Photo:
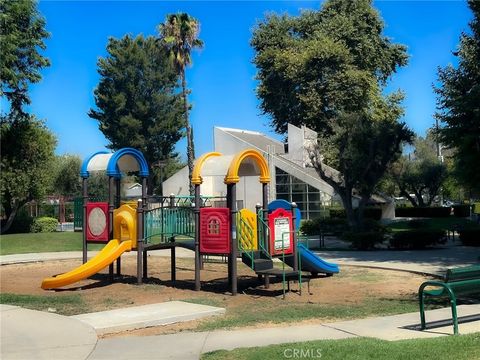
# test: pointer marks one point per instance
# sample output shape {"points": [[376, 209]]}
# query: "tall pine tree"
{"points": [[459, 104], [137, 102]]}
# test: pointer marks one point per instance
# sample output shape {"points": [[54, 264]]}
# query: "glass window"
{"points": [[314, 196], [299, 197], [299, 187], [314, 206], [283, 197], [302, 206]]}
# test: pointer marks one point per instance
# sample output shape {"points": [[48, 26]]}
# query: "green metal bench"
{"points": [[464, 280]]}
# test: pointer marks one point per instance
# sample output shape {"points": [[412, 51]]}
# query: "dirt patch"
{"points": [[352, 286]]}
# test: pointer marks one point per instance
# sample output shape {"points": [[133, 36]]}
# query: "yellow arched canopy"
{"points": [[196, 174], [232, 174]]}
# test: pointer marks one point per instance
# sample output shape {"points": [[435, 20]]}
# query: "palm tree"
{"points": [[179, 34]]}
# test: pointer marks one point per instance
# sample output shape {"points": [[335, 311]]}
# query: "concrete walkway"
{"points": [[28, 334], [428, 261], [140, 317]]}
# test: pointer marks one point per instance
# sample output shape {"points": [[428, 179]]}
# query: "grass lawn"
{"points": [[463, 347], [63, 304], [43, 242], [266, 311], [434, 224]]}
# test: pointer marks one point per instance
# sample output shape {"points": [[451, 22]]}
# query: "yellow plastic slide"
{"points": [[114, 249]]}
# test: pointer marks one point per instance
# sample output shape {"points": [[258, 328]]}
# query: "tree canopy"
{"points": [[22, 34], [66, 176], [458, 99], [420, 175], [27, 149], [27, 146], [327, 69], [137, 104]]}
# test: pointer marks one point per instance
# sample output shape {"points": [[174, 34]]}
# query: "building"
{"points": [[293, 179]]}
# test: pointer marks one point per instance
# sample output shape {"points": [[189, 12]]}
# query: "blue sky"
{"points": [[222, 77]]}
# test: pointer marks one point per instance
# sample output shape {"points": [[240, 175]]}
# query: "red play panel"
{"points": [[97, 221], [215, 230], [281, 224]]}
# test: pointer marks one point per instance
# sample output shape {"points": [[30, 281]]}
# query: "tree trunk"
{"points": [[190, 146], [360, 212], [10, 217], [346, 196]]}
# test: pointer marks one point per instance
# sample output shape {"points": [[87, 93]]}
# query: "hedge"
{"points": [[365, 240], [428, 212], [470, 237], [44, 225], [417, 239], [329, 225], [368, 213]]}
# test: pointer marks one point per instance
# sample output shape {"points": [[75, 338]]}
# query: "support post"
{"points": [[139, 242], [117, 205], [265, 214], [111, 206], [145, 266], [260, 239], [198, 256], [84, 221], [229, 265], [173, 265], [294, 237], [144, 207], [234, 245]]}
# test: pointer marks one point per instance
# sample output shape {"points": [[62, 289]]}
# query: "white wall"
{"points": [[177, 184]]}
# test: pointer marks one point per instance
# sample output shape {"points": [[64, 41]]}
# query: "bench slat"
{"points": [[463, 273]]}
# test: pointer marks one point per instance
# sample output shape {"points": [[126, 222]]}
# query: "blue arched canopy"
{"points": [[123, 160]]}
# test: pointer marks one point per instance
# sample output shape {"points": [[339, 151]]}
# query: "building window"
{"points": [[292, 189]]}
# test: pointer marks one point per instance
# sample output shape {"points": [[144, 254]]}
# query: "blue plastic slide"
{"points": [[313, 263]]}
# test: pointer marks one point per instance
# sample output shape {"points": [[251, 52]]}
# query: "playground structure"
{"points": [[152, 223]]}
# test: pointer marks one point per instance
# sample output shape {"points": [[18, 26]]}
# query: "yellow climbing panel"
{"points": [[248, 237]]}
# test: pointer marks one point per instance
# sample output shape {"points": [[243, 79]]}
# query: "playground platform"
{"points": [[28, 334]]}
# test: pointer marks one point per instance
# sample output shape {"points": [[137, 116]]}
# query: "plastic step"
{"points": [[262, 264]]}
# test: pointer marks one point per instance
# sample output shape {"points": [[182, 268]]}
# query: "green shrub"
{"points": [[364, 240], [427, 212], [417, 224], [461, 210], [417, 239], [329, 225], [476, 208], [470, 236], [44, 225], [338, 214], [21, 223], [368, 213]]}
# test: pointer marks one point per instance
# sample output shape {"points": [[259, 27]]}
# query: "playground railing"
{"points": [[165, 223], [263, 233], [283, 263]]}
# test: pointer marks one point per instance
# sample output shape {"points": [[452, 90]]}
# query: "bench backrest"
{"points": [[463, 273]]}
